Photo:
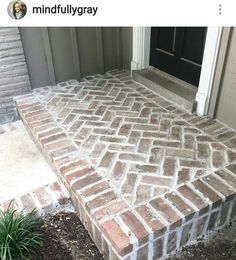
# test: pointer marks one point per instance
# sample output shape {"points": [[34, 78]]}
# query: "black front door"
{"points": [[178, 51]]}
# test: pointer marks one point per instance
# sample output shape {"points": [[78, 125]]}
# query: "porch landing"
{"points": [[145, 177]]}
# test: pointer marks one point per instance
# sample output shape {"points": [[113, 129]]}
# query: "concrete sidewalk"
{"points": [[23, 170]]}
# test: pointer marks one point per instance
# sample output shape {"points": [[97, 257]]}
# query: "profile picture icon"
{"points": [[17, 9]]}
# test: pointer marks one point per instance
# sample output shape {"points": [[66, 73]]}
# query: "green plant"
{"points": [[19, 234]]}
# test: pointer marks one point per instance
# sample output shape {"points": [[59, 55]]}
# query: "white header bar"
{"points": [[123, 13]]}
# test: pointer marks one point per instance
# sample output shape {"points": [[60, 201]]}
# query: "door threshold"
{"points": [[179, 92]]}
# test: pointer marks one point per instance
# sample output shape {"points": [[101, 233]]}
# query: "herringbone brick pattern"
{"points": [[137, 140], [145, 176]]}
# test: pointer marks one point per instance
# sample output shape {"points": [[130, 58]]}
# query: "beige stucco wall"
{"points": [[226, 102]]}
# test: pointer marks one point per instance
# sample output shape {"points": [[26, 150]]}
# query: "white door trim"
{"points": [[208, 69], [141, 52], [141, 48]]}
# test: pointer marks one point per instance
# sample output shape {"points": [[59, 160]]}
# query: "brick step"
{"points": [[121, 229]]}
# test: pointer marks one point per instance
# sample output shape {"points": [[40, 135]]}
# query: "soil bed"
{"points": [[66, 239], [219, 245]]}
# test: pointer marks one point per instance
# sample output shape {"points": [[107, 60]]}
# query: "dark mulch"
{"points": [[66, 239], [212, 251], [219, 245]]}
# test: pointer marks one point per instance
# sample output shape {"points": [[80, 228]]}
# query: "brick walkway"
{"points": [[145, 174]]}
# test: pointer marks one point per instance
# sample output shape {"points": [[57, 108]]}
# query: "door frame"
{"points": [[141, 53]]}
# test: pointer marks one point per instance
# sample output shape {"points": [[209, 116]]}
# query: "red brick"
{"points": [[192, 163], [183, 175], [101, 200], [98, 149], [41, 123], [124, 130], [39, 118], [156, 180], [62, 151], [167, 212], [89, 142], [105, 248], [207, 192], [136, 106], [136, 120], [76, 125], [171, 243], [82, 111], [231, 180], [135, 226], [167, 143], [110, 139], [232, 168], [52, 138], [69, 119], [113, 208], [175, 133], [169, 167], [218, 159], [107, 116], [107, 159], [204, 138], [117, 237], [129, 183], [155, 135], [156, 155], [189, 194], [71, 177], [224, 213], [203, 150], [98, 237], [146, 168], [142, 253], [44, 199], [116, 122], [219, 186], [198, 230], [104, 131], [121, 147], [145, 112], [164, 125], [185, 235], [231, 156], [212, 221], [145, 127], [57, 145], [83, 133], [35, 113], [158, 248], [57, 190], [178, 203], [82, 183], [189, 141], [143, 193], [134, 137], [179, 153], [152, 221], [72, 166], [118, 170], [95, 189], [144, 145], [131, 157]]}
